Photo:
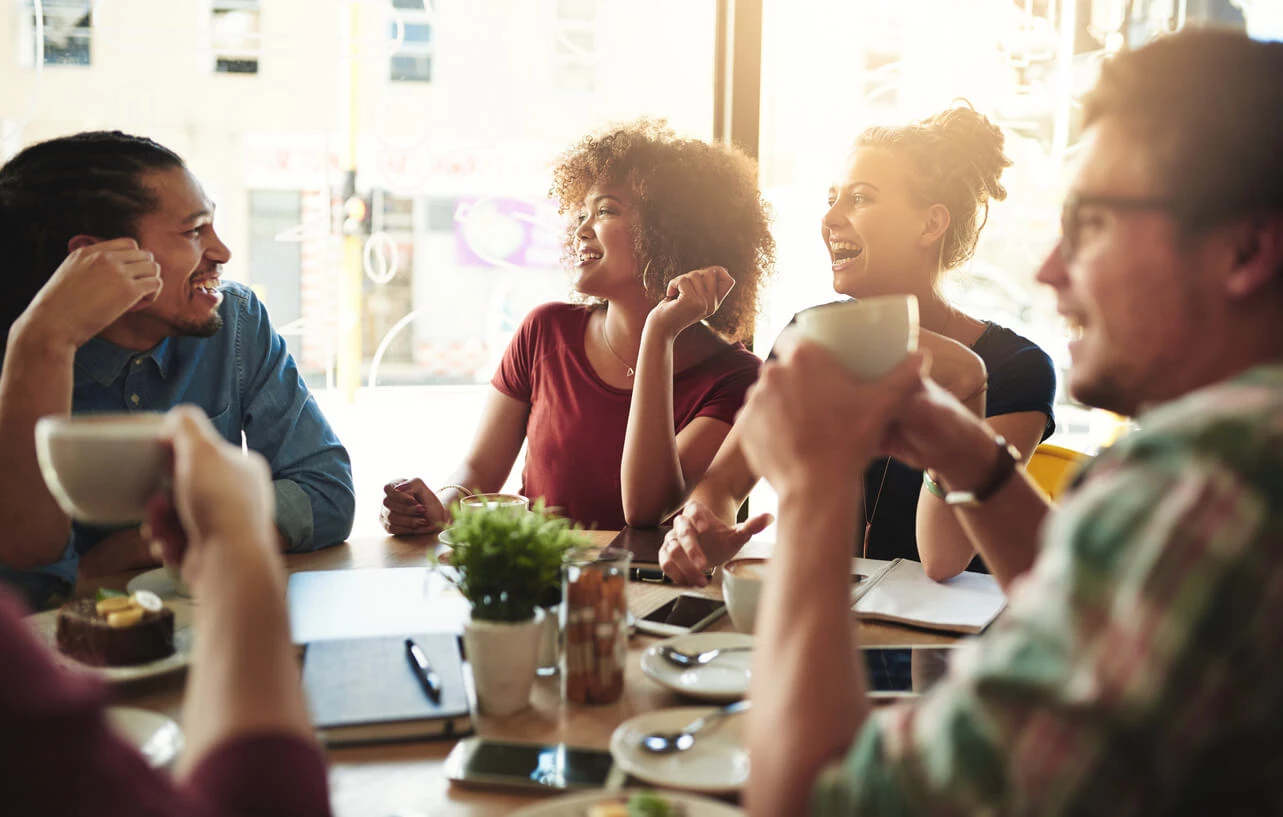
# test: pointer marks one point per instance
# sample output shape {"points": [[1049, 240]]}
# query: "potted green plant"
{"points": [[506, 562]]}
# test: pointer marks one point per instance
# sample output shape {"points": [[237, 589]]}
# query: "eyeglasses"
{"points": [[1071, 214]]}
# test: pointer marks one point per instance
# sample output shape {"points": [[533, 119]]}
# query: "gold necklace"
{"points": [[606, 339]]}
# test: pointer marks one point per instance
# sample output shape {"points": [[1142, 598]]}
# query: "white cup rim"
{"points": [[98, 426]]}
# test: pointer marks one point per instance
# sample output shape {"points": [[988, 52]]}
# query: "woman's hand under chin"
{"points": [[690, 299]]}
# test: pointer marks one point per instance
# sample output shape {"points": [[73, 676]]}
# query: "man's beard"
{"points": [[1105, 393], [200, 329]]}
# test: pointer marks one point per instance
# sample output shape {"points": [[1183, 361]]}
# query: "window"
{"points": [[67, 29], [411, 30], [575, 46], [463, 239], [235, 36]]}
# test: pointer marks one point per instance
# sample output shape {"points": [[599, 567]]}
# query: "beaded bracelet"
{"points": [[459, 488], [933, 487]]}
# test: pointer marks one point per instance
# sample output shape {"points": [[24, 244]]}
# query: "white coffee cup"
{"points": [[870, 336], [742, 591], [493, 501], [103, 468]]}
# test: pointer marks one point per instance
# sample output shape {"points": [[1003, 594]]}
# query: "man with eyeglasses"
{"points": [[1138, 667]]}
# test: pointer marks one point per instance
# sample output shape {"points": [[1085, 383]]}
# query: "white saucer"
{"points": [[716, 764], [576, 805], [722, 680], [157, 737], [443, 537], [46, 626], [159, 582]]}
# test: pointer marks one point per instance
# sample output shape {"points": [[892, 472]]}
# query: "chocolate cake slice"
{"points": [[120, 634]]}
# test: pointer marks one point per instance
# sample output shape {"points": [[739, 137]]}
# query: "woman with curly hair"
{"points": [[908, 207], [624, 400]]}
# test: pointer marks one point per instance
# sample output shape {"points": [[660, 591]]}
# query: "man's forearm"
{"points": [[315, 513], [36, 381], [123, 550], [807, 688]]}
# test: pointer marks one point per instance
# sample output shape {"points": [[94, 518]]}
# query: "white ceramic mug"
{"points": [[742, 591], [103, 468], [495, 501], [870, 336]]}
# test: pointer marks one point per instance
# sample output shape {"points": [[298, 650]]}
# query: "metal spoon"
{"points": [[696, 659], [665, 742]]}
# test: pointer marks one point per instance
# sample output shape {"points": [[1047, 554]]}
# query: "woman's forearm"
{"points": [[244, 677], [727, 482], [1004, 528], [651, 477]]}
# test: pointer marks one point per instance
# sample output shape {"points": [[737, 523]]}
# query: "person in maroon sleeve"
{"points": [[250, 748], [624, 400]]}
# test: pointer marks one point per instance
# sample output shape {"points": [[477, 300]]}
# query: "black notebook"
{"points": [[363, 690]]}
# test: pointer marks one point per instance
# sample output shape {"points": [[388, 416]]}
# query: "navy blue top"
{"points": [[1021, 378]]}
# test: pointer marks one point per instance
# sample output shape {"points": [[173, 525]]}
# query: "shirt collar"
{"points": [[104, 361]]}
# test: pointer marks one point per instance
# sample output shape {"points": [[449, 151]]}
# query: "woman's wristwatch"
{"points": [[1008, 459]]}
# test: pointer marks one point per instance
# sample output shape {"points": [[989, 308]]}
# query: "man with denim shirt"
{"points": [[1137, 668], [138, 323]]}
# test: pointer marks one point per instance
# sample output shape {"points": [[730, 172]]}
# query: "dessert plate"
{"points": [[160, 582], [46, 625], [156, 736]]}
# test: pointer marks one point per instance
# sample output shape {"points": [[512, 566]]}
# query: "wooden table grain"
{"points": [[408, 779]]}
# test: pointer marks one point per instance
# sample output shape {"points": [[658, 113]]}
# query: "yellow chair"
{"points": [[1052, 466]]}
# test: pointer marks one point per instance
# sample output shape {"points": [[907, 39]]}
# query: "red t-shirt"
{"points": [[57, 756], [575, 435]]}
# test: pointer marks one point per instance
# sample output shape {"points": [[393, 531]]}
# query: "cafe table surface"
{"points": [[408, 779]]}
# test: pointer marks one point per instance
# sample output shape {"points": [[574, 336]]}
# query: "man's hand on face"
{"points": [[95, 285], [809, 423]]}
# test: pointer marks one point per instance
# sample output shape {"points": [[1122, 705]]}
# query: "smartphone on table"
{"points": [[487, 763], [644, 544], [682, 614], [904, 672]]}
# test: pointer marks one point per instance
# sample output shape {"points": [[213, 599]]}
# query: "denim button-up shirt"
{"points": [[245, 379]]}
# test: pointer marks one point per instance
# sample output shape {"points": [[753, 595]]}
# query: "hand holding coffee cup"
{"points": [[869, 336], [103, 468]]}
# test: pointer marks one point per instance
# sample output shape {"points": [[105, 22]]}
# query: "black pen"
{"points": [[428, 679], [650, 574]]}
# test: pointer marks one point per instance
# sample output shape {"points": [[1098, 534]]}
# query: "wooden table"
{"points": [[408, 779]]}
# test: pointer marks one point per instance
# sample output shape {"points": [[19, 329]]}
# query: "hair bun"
{"points": [[973, 137]]}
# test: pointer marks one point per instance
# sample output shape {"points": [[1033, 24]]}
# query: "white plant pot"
{"points": [[502, 655]]}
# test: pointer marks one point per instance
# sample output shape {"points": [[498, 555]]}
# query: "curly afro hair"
{"points": [[697, 205]]}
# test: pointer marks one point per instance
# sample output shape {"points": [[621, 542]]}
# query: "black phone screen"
{"points": [[643, 543], [905, 670], [554, 766], [684, 611]]}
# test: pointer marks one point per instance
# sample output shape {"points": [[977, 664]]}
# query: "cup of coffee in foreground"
{"points": [[103, 468], [870, 336], [493, 501], [742, 589]]}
